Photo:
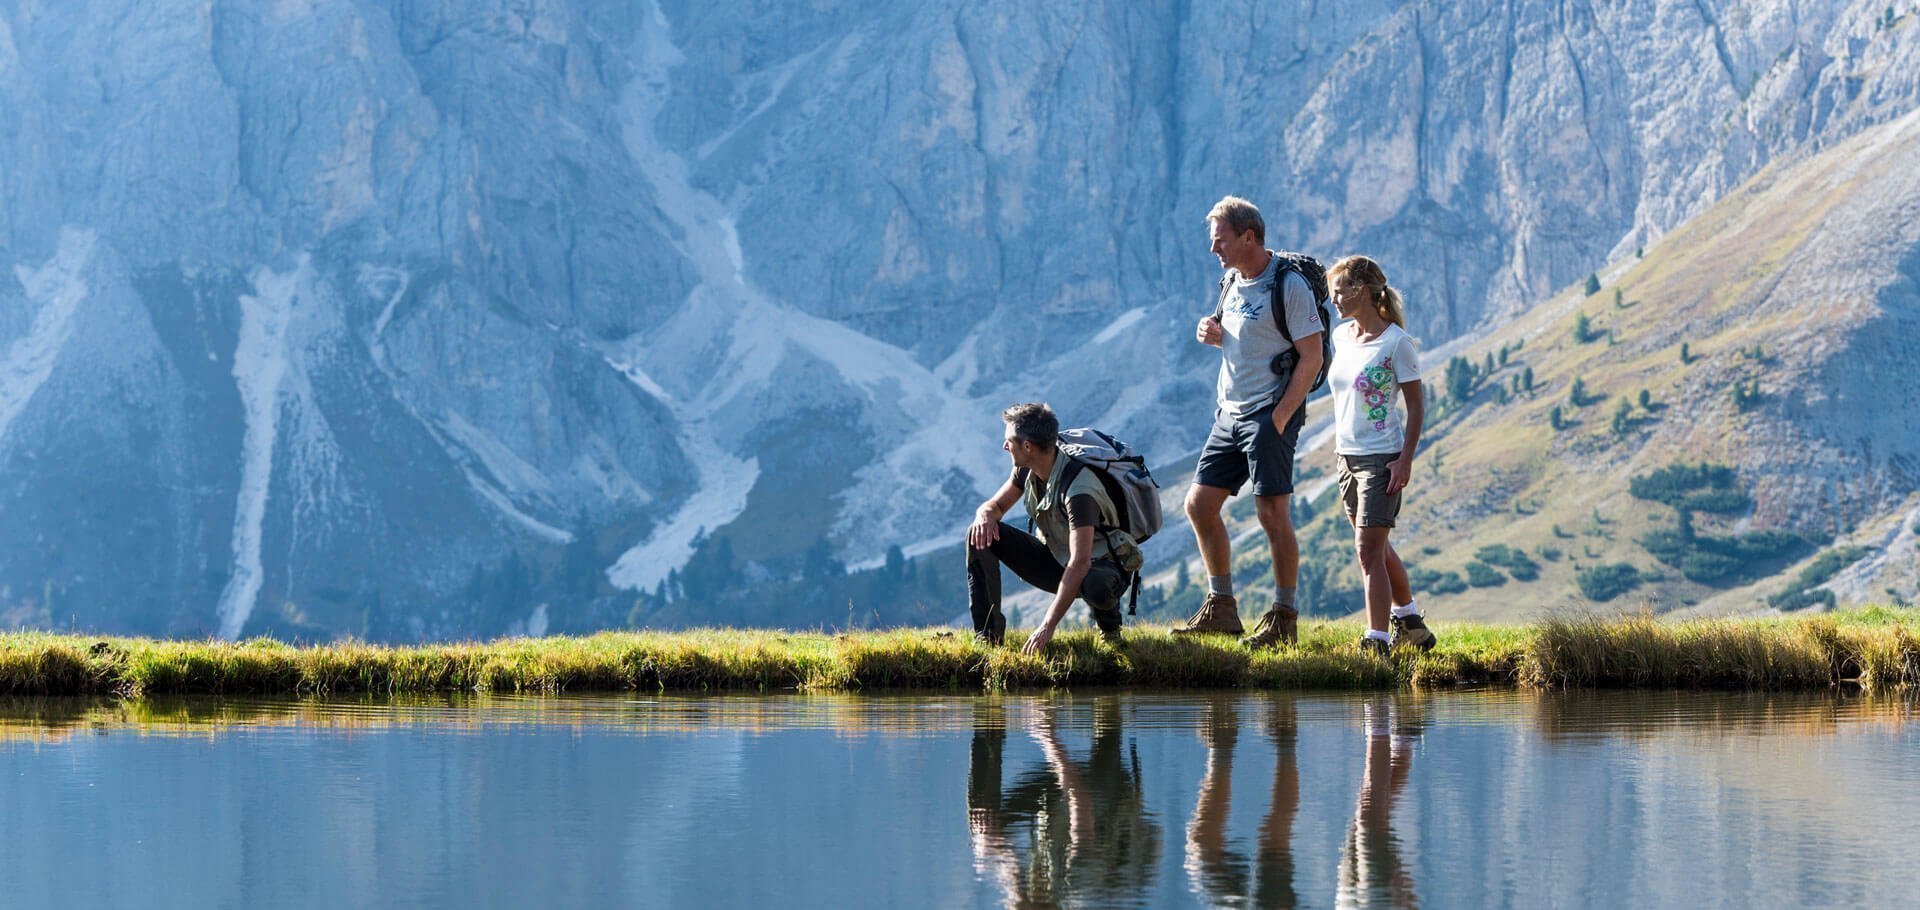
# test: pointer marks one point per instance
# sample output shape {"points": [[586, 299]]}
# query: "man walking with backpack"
{"points": [[1082, 550], [1270, 328]]}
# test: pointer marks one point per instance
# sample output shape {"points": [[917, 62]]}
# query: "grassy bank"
{"points": [[1874, 649]]}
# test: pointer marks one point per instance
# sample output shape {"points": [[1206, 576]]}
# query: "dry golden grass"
{"points": [[1874, 649]]}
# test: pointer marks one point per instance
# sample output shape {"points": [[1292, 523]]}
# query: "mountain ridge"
{"points": [[404, 322]]}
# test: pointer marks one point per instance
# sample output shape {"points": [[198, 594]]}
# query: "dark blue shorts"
{"points": [[1250, 446]]}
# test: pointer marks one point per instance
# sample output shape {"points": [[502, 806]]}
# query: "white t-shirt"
{"points": [[1364, 377]]}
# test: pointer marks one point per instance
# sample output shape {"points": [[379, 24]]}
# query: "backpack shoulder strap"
{"points": [[1220, 299], [1068, 474], [1279, 306]]}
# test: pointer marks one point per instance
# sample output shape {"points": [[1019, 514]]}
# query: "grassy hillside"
{"points": [[1768, 336], [1770, 293]]}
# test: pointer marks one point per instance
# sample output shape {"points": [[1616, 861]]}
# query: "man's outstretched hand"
{"points": [[1037, 642]]}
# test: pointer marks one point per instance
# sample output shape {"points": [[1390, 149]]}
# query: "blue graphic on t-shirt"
{"points": [[1246, 308]]}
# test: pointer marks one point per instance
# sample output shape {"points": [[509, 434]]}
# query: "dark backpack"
{"points": [[1316, 277]]}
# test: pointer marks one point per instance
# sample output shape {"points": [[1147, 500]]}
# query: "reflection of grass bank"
{"points": [[1876, 649]]}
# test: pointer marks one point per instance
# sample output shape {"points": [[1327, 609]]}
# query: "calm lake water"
{"points": [[1452, 800]]}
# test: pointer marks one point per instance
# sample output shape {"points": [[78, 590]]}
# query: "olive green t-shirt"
{"points": [[1087, 507]]}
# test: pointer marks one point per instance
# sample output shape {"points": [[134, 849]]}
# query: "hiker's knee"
{"points": [[1104, 587], [1204, 502], [1371, 550], [1274, 513]]}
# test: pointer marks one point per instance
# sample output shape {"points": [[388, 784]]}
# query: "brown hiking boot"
{"points": [[1412, 632], [1218, 614], [1278, 626]]}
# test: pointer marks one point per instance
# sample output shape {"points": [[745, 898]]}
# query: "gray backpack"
{"points": [[1123, 473]]}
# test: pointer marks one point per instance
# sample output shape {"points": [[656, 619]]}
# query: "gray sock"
{"points": [[1283, 595], [1220, 584]]}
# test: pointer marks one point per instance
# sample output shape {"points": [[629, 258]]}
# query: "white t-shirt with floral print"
{"points": [[1364, 378]]}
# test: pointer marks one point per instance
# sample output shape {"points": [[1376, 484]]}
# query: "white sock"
{"points": [[1410, 608], [1379, 634]]}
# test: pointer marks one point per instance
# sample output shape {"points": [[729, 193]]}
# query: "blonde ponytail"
{"points": [[1390, 308]]}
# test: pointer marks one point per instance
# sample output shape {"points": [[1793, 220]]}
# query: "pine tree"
{"points": [[1593, 284], [1459, 380]]}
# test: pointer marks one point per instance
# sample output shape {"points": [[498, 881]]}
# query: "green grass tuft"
{"points": [[1873, 648]]}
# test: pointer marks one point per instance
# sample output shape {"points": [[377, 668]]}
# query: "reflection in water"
{"points": [[1372, 870], [1161, 800], [1580, 716], [1219, 873], [1082, 824]]}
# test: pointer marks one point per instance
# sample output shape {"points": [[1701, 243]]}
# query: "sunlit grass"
{"points": [[1875, 648]]}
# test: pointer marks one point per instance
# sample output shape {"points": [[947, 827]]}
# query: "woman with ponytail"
{"points": [[1374, 359]]}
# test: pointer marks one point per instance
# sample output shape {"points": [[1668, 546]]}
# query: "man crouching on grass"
{"points": [[1080, 551]]}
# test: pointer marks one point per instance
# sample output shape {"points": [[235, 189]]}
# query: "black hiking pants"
{"points": [[1034, 563]]}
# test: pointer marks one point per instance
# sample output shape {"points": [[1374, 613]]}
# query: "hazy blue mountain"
{"points": [[453, 319]]}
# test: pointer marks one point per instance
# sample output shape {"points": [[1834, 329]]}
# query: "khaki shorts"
{"points": [[1363, 490]]}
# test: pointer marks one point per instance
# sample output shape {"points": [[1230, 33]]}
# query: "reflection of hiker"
{"points": [[1080, 551], [1374, 360], [1219, 874], [1082, 825], [1269, 329], [1372, 872]]}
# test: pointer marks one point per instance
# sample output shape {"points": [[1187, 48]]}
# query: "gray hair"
{"points": [[1240, 215]]}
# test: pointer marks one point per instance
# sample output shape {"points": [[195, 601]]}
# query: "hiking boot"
{"points": [[1218, 614], [1278, 626], [1374, 647], [1412, 632], [995, 633]]}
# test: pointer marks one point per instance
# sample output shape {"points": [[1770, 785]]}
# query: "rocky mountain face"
{"points": [[407, 320]]}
